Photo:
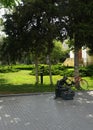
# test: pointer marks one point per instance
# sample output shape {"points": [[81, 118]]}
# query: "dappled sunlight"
{"points": [[17, 120], [0, 118], [27, 123], [89, 101], [80, 93], [90, 116], [1, 101], [1, 107], [84, 100], [6, 115], [9, 116], [81, 100], [85, 97], [34, 112], [90, 93], [10, 119]]}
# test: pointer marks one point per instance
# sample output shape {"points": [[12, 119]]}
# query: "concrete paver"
{"points": [[42, 112]]}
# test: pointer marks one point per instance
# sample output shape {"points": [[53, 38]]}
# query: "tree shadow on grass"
{"points": [[25, 88], [3, 81]]}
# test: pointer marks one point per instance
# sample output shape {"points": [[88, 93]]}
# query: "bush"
{"points": [[42, 68], [7, 69], [15, 68], [58, 69], [67, 72], [86, 71], [24, 67], [83, 71]]}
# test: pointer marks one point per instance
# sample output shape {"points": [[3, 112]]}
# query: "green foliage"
{"points": [[41, 69], [31, 28], [7, 69], [57, 69], [59, 54], [86, 71], [67, 72], [79, 25], [80, 21], [24, 67], [70, 43], [8, 3], [15, 68]]}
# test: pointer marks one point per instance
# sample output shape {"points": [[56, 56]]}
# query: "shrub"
{"points": [[24, 67], [15, 68], [58, 69], [67, 72], [7, 69]]}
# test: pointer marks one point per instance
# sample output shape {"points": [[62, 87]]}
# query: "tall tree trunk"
{"points": [[76, 64], [36, 69], [50, 73]]}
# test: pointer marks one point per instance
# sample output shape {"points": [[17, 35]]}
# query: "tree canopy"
{"points": [[71, 17], [35, 23], [79, 27], [8, 3], [33, 26]]}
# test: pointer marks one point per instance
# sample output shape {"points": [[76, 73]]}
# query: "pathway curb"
{"points": [[25, 94]]}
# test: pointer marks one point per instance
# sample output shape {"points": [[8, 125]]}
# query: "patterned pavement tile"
{"points": [[42, 112]]}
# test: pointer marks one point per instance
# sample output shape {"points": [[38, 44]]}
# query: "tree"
{"points": [[79, 25], [32, 28]]}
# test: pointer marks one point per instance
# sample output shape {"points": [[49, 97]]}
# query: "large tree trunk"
{"points": [[36, 69], [76, 64], [50, 73]]}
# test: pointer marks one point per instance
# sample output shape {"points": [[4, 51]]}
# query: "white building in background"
{"points": [[2, 12], [71, 54], [87, 59], [69, 61], [84, 57]]}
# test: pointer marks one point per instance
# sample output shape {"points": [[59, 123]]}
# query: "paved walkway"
{"points": [[42, 112]]}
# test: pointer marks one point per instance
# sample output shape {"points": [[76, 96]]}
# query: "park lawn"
{"points": [[23, 82], [90, 82]]}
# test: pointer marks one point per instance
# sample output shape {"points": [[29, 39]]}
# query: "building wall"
{"points": [[84, 57], [87, 59]]}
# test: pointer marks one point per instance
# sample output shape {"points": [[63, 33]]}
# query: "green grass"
{"points": [[23, 82]]}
